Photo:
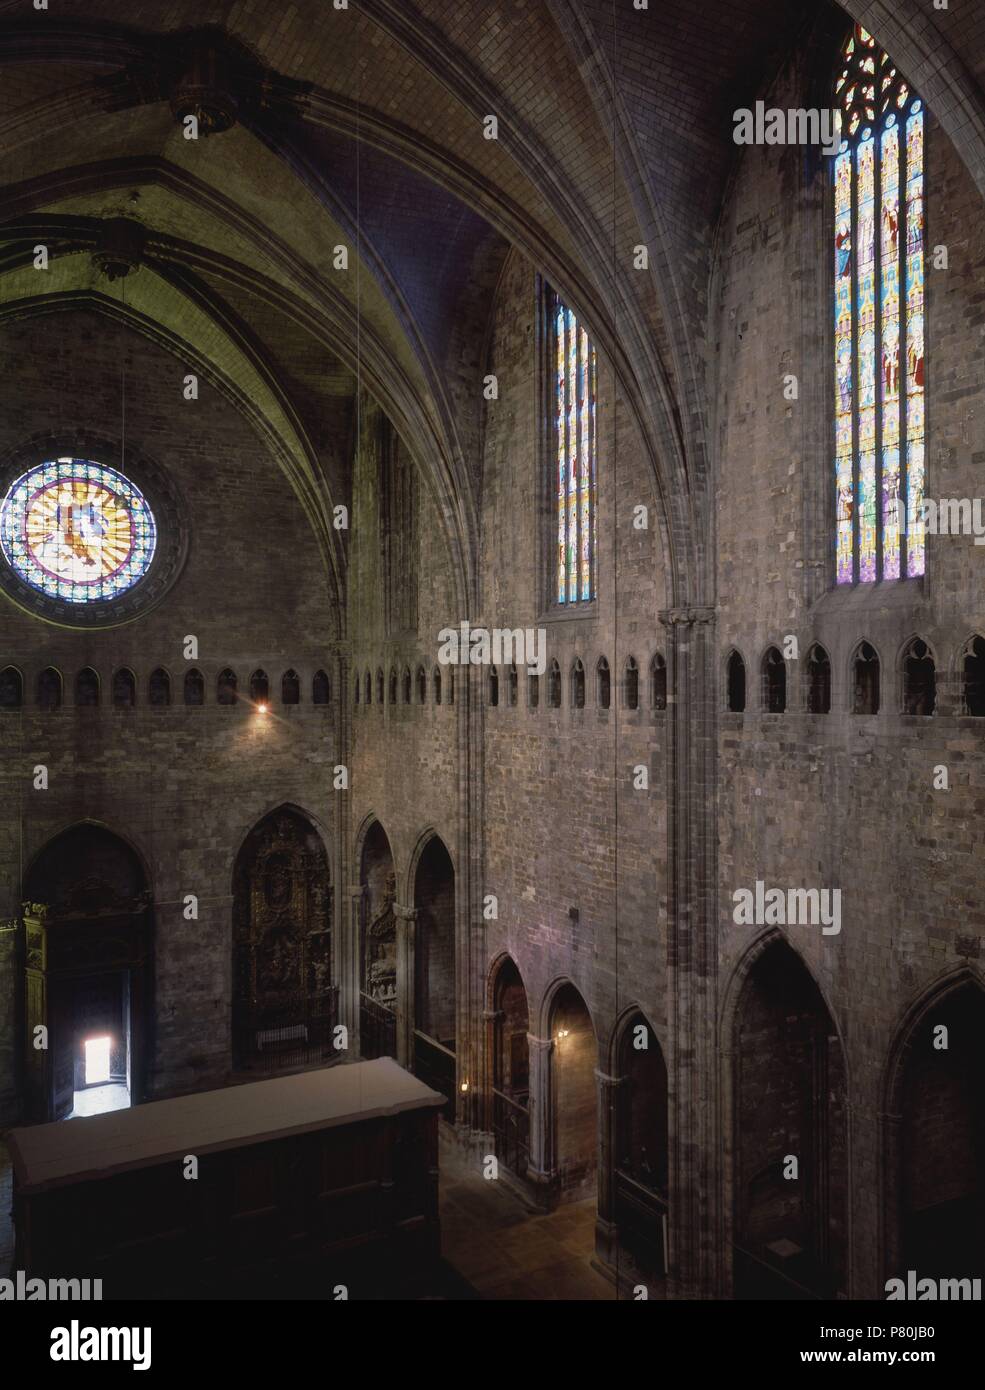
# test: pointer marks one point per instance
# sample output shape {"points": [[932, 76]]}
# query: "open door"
{"points": [[88, 925], [62, 1046], [49, 1044]]}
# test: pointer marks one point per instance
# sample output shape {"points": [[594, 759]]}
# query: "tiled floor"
{"points": [[506, 1252]]}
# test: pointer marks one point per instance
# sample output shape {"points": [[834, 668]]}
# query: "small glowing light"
{"points": [[464, 1086], [562, 1033], [261, 708]]}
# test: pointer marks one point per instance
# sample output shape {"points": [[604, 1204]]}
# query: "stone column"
{"points": [[695, 1254], [406, 920], [540, 1169], [349, 969], [606, 1230], [490, 1018]]}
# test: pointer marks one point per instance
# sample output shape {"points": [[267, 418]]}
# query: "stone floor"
{"points": [[503, 1250], [99, 1100]]}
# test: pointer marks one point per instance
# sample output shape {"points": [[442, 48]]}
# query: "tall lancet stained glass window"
{"points": [[879, 319], [573, 455]]}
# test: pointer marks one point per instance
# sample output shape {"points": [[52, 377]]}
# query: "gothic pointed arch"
{"points": [[284, 999]]}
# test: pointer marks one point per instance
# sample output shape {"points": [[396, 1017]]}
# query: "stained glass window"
{"points": [[879, 319], [77, 530], [574, 374]]}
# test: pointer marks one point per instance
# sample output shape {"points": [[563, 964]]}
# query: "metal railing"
{"points": [[295, 1032], [511, 1130], [434, 1064]]}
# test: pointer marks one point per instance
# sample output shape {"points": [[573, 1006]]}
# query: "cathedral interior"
{"points": [[492, 647]]}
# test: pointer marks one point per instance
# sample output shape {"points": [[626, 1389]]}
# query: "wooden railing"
{"points": [[377, 1029], [640, 1213], [434, 1064]]}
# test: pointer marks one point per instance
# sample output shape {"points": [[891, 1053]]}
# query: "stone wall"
{"points": [[183, 785]]}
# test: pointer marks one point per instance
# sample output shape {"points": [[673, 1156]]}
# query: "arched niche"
{"points": [[434, 970], [88, 957], [284, 999], [378, 968], [790, 1182]]}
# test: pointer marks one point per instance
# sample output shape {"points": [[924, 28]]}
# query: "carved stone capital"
{"points": [[687, 617]]}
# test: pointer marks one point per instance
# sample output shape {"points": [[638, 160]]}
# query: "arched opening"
{"points": [[422, 686], [393, 685], [513, 686], [940, 1100], [658, 683], [86, 688], [736, 683], [124, 689], [790, 1136], [378, 992], [284, 1002], [11, 688], [554, 685], [87, 963], [49, 689], [574, 1058], [818, 681], [774, 672], [434, 971], [194, 688], [533, 691], [321, 690], [290, 688], [225, 691], [511, 1070], [603, 684], [974, 678], [367, 688], [406, 685], [865, 680], [577, 684], [380, 686], [259, 686], [493, 687], [436, 684], [632, 683], [641, 1153], [159, 688], [356, 689], [919, 679]]}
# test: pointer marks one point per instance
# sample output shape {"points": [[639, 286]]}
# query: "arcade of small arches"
{"points": [[919, 685], [161, 689], [407, 689]]}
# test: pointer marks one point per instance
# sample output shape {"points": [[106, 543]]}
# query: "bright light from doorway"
{"points": [[97, 1060]]}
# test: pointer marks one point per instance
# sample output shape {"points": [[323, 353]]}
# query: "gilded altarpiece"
{"points": [[283, 997]]}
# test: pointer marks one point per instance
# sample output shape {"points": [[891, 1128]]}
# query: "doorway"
{"points": [[88, 934], [100, 1011]]}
